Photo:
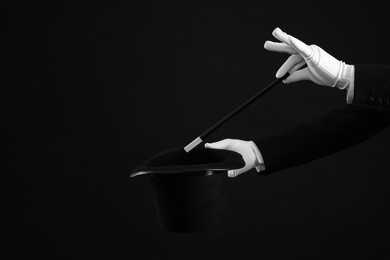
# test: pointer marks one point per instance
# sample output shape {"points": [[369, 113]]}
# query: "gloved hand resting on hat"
{"points": [[322, 68], [248, 150]]}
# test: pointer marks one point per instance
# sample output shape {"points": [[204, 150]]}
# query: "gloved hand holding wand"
{"points": [[322, 68]]}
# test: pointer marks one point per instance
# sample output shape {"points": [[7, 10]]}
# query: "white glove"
{"points": [[322, 68], [248, 150]]}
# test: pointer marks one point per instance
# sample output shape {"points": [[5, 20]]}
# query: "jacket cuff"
{"points": [[351, 86], [371, 87]]}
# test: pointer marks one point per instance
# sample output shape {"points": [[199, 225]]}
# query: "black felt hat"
{"points": [[189, 189]]}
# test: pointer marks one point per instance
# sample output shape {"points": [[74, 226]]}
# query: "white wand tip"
{"points": [[193, 144]]}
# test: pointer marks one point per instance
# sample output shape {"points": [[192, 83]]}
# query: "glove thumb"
{"points": [[223, 144], [298, 75]]}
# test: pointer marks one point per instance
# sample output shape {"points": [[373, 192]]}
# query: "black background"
{"points": [[91, 90]]}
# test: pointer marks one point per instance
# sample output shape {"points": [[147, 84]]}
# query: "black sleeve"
{"points": [[335, 131]]}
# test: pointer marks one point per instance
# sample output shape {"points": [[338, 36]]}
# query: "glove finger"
{"points": [[304, 49], [249, 159], [298, 75], [298, 45], [223, 144], [231, 173], [288, 65], [281, 36], [236, 172], [279, 47]]}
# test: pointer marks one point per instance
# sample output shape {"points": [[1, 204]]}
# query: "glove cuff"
{"points": [[345, 76], [259, 164]]}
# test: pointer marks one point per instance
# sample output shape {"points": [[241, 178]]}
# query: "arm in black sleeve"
{"points": [[329, 134]]}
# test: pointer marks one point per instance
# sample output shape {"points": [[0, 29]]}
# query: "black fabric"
{"points": [[190, 203], [372, 86], [334, 132], [198, 160]]}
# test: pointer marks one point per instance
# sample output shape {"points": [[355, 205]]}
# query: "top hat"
{"points": [[189, 189]]}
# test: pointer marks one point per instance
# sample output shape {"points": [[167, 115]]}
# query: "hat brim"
{"points": [[200, 160]]}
